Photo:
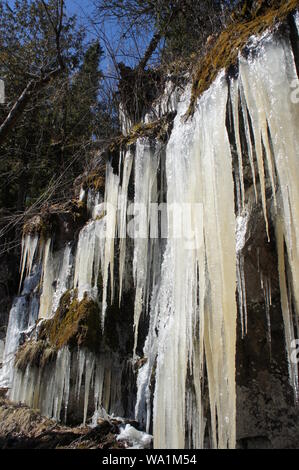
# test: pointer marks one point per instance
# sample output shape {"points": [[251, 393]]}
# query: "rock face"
{"points": [[9, 271], [267, 416]]}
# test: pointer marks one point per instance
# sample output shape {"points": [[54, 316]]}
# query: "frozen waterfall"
{"points": [[182, 262]]}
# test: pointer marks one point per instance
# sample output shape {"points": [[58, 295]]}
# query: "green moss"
{"points": [[74, 324], [233, 39], [159, 129]]}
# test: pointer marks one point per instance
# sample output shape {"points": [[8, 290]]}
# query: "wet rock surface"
{"points": [[9, 270], [267, 416]]}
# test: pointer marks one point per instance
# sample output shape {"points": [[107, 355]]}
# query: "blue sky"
{"points": [[84, 9], [78, 5], [126, 51]]}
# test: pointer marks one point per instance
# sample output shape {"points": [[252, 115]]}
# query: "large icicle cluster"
{"points": [[264, 87], [56, 278], [146, 166], [50, 391], [193, 311], [22, 318], [262, 93], [57, 271]]}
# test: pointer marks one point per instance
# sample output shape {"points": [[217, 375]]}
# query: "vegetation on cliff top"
{"points": [[244, 24], [159, 129]]}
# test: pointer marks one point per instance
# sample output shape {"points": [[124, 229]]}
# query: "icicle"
{"points": [[15, 326], [195, 308], [2, 346], [111, 200], [190, 292], [234, 95], [260, 125], [270, 74], [89, 369], [123, 200], [81, 364], [107, 388], [242, 294], [47, 395], [286, 308], [89, 258], [248, 138], [47, 280], [220, 254], [82, 195], [254, 113], [67, 376], [143, 406], [63, 277], [98, 388], [29, 246], [22, 317], [266, 287], [62, 376], [146, 165], [55, 279], [241, 230]]}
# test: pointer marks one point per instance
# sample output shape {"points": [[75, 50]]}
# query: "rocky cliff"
{"points": [[166, 291]]}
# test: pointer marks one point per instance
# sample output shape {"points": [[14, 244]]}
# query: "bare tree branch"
{"points": [[19, 106]]}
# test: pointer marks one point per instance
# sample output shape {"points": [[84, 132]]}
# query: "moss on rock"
{"points": [[233, 39], [159, 129], [75, 323], [34, 353], [52, 218], [95, 180]]}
